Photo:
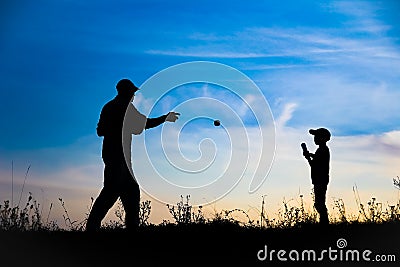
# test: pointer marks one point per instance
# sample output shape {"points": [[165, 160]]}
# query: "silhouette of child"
{"points": [[319, 163]]}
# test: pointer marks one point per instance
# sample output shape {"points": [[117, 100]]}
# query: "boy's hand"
{"points": [[305, 150], [309, 155], [172, 116]]}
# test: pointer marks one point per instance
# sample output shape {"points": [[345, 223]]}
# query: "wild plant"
{"points": [[144, 215], [232, 217], [28, 218], [72, 225], [144, 212], [396, 182], [291, 216], [182, 212], [340, 207]]}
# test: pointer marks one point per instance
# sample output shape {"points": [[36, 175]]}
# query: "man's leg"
{"points": [[106, 199], [320, 206], [101, 206], [130, 197], [131, 202]]}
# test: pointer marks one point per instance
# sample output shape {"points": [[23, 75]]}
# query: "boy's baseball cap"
{"points": [[323, 132]]}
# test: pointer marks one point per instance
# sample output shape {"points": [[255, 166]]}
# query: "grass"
{"points": [[30, 217], [192, 237]]}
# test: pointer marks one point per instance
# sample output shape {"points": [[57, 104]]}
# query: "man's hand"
{"points": [[172, 116]]}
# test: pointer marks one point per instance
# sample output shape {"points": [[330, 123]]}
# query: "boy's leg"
{"points": [[320, 206]]}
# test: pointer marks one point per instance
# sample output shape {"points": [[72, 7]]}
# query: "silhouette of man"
{"points": [[319, 163], [119, 119]]}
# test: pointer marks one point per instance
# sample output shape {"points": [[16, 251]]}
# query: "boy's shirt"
{"points": [[320, 166]]}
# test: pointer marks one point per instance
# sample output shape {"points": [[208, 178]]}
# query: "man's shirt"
{"points": [[119, 119]]}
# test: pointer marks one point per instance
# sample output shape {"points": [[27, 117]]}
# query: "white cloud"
{"points": [[336, 100], [362, 15], [142, 103], [360, 40], [286, 115], [205, 52]]}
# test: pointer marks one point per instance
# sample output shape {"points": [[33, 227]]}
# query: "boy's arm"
{"points": [[306, 153], [308, 156]]}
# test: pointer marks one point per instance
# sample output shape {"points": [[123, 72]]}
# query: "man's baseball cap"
{"points": [[323, 132], [126, 85]]}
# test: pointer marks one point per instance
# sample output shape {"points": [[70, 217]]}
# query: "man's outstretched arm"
{"points": [[154, 122]]}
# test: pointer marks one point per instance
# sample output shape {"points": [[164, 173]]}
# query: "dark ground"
{"points": [[197, 245]]}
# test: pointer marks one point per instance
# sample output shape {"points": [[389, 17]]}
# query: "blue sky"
{"points": [[318, 63]]}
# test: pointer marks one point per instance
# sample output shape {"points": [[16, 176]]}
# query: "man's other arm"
{"points": [[101, 127]]}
